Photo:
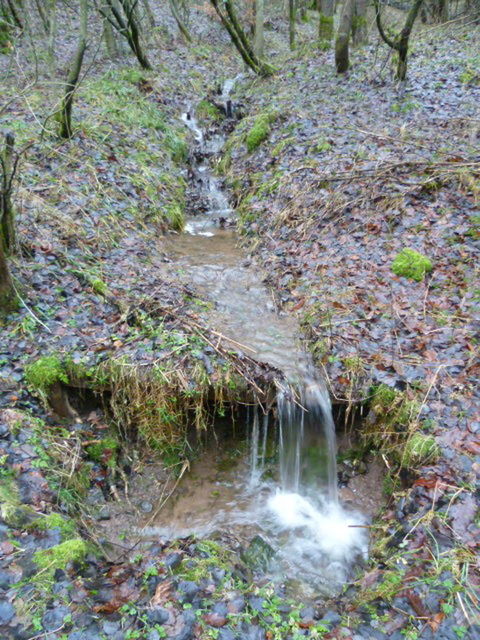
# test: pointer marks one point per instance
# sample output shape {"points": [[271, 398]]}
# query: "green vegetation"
{"points": [[419, 449], [208, 112], [45, 372], [104, 451], [260, 130], [61, 555], [66, 526], [411, 264]]}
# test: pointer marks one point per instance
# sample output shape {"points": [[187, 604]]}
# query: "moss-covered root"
{"points": [[411, 264]]}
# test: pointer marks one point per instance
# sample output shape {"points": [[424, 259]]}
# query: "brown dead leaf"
{"points": [[162, 594], [436, 620]]}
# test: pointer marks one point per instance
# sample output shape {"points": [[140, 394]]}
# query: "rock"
{"points": [[173, 560], [4, 430], [153, 635], [256, 603], [158, 615], [6, 612], [258, 554], [331, 617], [226, 634], [187, 633], [146, 507], [110, 627], [237, 605], [187, 591], [53, 619], [215, 619], [218, 575], [103, 514]]}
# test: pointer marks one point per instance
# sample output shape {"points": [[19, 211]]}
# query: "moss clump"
{"points": [[45, 372], [56, 521], [260, 131], [104, 451], [12, 511], [411, 264], [175, 217], [207, 111], [61, 555], [99, 286], [419, 449]]}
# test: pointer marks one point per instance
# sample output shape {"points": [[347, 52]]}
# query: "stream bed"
{"points": [[264, 481]]}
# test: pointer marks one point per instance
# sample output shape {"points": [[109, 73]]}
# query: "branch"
{"points": [[391, 43]]}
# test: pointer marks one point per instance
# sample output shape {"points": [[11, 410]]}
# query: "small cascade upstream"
{"points": [[283, 487]]}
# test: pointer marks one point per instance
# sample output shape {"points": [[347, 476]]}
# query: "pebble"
{"points": [[109, 627], [146, 507], [53, 619], [158, 615], [187, 591], [6, 612]]}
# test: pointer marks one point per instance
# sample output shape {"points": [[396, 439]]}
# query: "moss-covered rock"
{"points": [[56, 521], [44, 373], [61, 555], [411, 264], [12, 511], [104, 451], [208, 112], [260, 130], [419, 449]]}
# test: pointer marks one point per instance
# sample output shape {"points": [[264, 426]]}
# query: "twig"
{"points": [[37, 319]]}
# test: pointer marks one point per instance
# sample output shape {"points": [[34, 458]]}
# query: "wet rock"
{"points": [[78, 635], [258, 554], [153, 635], [173, 560], [187, 591], [256, 603], [53, 619], [4, 430], [252, 632], [237, 605], [146, 507], [110, 627], [307, 613], [103, 514], [6, 612], [218, 575], [158, 615], [187, 633], [226, 634], [331, 617]]}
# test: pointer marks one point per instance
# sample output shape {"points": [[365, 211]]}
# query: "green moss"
{"points": [[104, 451], [419, 449], [44, 372], [57, 521], [260, 130], [207, 111], [99, 286], [12, 511], [60, 556], [411, 264]]}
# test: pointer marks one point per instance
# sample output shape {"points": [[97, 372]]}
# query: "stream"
{"points": [[268, 481], [280, 487]]}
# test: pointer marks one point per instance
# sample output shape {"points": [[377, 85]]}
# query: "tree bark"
{"points": [[259, 42], [180, 24], [52, 30], [74, 74], [292, 11], [342, 61], [400, 43], [7, 211], [109, 37], [7, 293], [148, 12], [14, 13], [360, 34], [123, 19], [43, 16], [325, 23]]}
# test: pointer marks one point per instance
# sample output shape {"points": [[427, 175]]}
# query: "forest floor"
{"points": [[347, 174]]}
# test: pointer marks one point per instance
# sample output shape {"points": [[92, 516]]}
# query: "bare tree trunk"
{"points": [[292, 13], [43, 16], [360, 34], [229, 20], [7, 211], [342, 61], [180, 24], [74, 74], [325, 24], [259, 42], [400, 43], [148, 12], [109, 37], [7, 293], [52, 31], [122, 17]]}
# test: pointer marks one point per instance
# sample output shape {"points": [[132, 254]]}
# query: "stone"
{"points": [[332, 617], [153, 635], [187, 591], [258, 554], [218, 575], [158, 615], [146, 507], [110, 627], [237, 605], [173, 560], [6, 612], [53, 619], [226, 634]]}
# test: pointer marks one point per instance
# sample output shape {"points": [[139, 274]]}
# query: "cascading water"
{"points": [[285, 488]]}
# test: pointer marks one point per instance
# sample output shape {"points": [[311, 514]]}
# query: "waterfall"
{"points": [[306, 441]]}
